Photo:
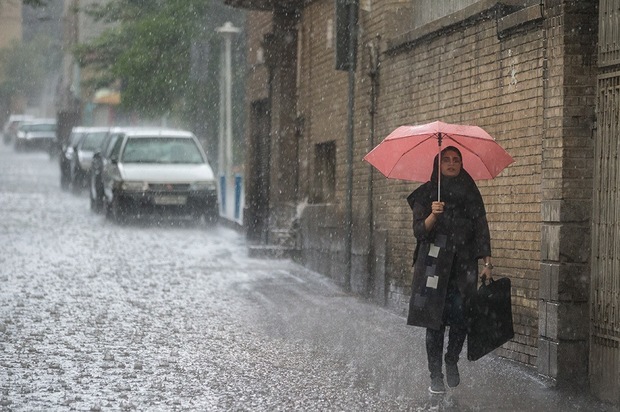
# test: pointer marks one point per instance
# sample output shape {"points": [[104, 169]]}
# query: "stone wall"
{"points": [[570, 29]]}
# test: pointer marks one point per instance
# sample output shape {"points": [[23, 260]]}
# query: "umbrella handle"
{"points": [[439, 139]]}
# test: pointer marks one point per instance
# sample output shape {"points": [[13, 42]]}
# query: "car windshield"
{"points": [[92, 141], [39, 127], [161, 150], [75, 138]]}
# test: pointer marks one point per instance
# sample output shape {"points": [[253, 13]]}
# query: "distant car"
{"points": [[36, 133], [86, 146], [158, 171], [67, 152], [9, 131]]}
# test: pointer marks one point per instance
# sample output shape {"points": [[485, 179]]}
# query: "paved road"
{"points": [[168, 316]]}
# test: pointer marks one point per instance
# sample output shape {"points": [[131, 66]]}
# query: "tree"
{"points": [[149, 50], [165, 53]]}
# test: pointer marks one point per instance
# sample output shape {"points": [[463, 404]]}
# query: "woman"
{"points": [[452, 235]]}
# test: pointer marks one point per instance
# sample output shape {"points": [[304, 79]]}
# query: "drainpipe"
{"points": [[373, 73], [353, 13]]}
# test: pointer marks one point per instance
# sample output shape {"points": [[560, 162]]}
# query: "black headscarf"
{"points": [[460, 192]]}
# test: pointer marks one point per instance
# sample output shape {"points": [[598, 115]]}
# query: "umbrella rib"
{"points": [[471, 151], [410, 149]]}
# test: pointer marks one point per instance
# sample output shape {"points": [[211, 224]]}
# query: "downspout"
{"points": [[269, 43], [373, 73], [353, 15]]}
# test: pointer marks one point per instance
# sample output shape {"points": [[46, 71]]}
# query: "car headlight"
{"points": [[206, 185], [134, 186]]}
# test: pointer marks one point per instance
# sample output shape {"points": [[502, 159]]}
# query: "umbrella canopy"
{"points": [[409, 151]]}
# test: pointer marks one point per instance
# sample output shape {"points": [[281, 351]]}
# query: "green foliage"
{"points": [[149, 50], [166, 55]]}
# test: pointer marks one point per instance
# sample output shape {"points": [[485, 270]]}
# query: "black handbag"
{"points": [[489, 318]]}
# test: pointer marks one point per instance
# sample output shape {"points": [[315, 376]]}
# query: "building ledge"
{"points": [[267, 5], [484, 9]]}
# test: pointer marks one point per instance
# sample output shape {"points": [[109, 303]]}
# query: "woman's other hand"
{"points": [[487, 269]]}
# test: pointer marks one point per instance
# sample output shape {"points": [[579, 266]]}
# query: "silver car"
{"points": [[36, 133], [158, 171], [81, 159]]}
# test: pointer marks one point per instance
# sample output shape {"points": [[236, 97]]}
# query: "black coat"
{"points": [[453, 246]]}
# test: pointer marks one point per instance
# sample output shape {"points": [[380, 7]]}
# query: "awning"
{"points": [[107, 96]]}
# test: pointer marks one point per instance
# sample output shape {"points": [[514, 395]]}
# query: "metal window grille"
{"points": [[609, 33]]}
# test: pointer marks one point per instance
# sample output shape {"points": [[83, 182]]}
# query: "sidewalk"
{"points": [[381, 351]]}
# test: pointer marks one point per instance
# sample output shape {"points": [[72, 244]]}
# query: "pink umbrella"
{"points": [[409, 151]]}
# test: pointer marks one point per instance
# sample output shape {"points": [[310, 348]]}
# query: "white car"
{"points": [[10, 127], [83, 151], [36, 133], [158, 171]]}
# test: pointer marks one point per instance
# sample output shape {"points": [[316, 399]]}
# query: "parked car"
{"points": [[157, 171], [67, 151], [36, 133], [9, 131], [82, 156], [99, 161]]}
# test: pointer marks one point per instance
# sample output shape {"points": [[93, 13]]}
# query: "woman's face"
{"points": [[450, 163]]}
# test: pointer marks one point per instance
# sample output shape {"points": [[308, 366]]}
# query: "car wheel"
{"points": [[108, 208], [76, 182], [64, 181], [115, 213], [95, 197]]}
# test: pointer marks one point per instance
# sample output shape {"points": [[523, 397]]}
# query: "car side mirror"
{"points": [[114, 159]]}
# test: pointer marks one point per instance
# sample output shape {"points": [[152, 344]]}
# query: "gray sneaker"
{"points": [[437, 386]]}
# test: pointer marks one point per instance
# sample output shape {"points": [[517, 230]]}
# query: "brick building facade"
{"points": [[526, 71]]}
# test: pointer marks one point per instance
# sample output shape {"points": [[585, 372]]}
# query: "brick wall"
{"points": [[257, 25], [467, 75], [483, 71]]}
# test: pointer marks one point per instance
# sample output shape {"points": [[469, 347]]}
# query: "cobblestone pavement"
{"points": [[169, 316]]}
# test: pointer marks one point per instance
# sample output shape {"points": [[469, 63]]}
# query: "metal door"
{"points": [[605, 276]]}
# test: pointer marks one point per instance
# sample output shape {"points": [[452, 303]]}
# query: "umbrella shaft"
{"points": [[439, 139]]}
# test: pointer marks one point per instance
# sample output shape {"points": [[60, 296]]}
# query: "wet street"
{"points": [[98, 316]]}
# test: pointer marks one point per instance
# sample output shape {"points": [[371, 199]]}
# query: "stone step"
{"points": [[272, 251]]}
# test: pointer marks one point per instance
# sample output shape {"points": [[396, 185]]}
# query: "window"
{"points": [[426, 11], [116, 148], [325, 172]]}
